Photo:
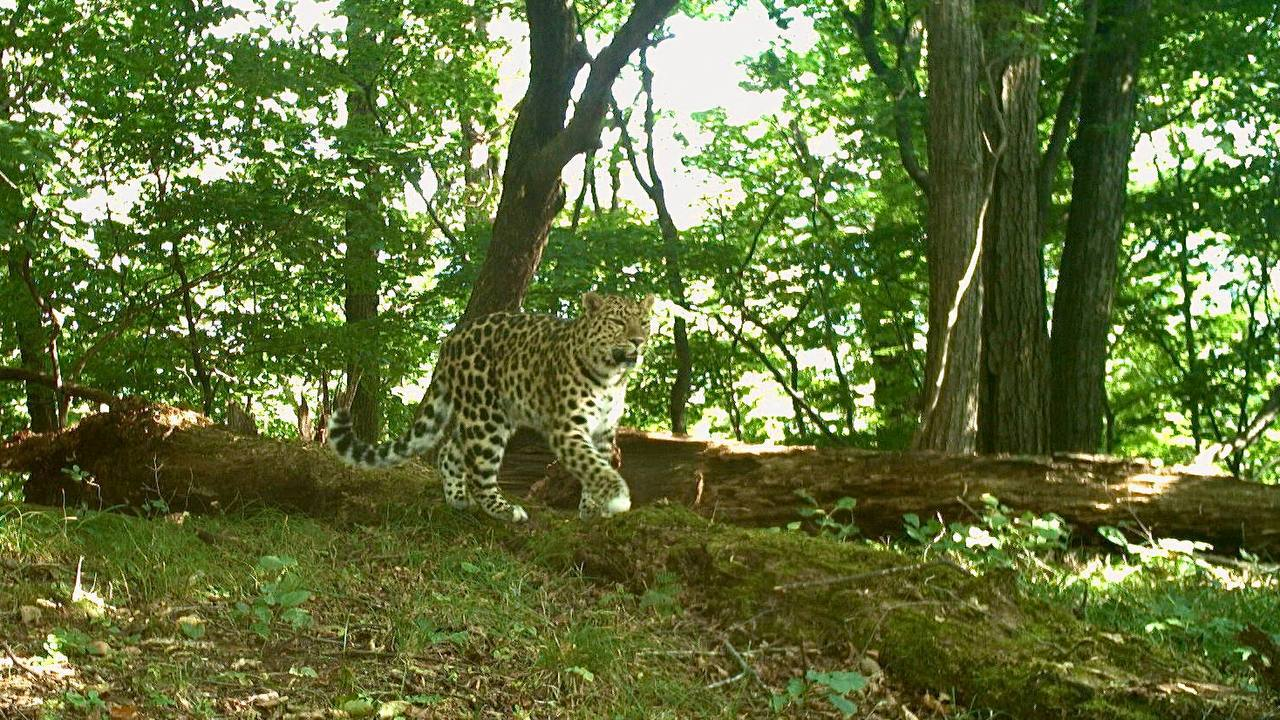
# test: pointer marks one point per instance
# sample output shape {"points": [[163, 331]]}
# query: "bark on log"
{"points": [[181, 457], [756, 486]]}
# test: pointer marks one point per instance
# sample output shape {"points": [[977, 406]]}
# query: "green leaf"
{"points": [[471, 568], [293, 599], [1113, 535], [843, 704], [839, 681], [296, 617], [796, 687], [358, 707], [274, 563]]}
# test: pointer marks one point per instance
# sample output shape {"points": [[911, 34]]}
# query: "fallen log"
{"points": [[756, 486], [134, 456], [160, 457]]}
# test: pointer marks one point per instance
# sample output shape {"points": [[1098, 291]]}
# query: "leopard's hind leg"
{"points": [[483, 444]]}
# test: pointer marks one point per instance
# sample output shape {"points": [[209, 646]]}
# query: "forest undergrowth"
{"points": [[657, 614]]}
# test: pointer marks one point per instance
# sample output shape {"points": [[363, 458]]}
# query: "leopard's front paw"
{"points": [[619, 504]]}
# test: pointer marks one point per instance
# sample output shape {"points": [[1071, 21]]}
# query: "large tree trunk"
{"points": [[364, 229], [1014, 415], [542, 143], [1086, 280], [956, 198], [140, 454]]}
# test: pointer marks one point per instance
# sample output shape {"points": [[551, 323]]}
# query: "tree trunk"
{"points": [[956, 198], [542, 143], [897, 377], [1095, 222], [194, 344], [42, 401], [654, 188], [1014, 415], [364, 230]]}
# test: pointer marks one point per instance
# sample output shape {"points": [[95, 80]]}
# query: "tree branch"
{"points": [[1052, 157], [125, 320], [80, 391], [583, 131], [1247, 436], [863, 25]]}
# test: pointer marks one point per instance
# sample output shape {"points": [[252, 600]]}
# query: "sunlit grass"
{"points": [[430, 608]]}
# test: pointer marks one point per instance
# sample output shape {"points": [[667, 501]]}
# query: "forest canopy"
{"points": [[232, 207]]}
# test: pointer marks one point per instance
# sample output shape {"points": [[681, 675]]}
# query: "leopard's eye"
{"points": [[617, 322]]}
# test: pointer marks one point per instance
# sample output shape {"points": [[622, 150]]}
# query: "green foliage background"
{"points": [[144, 141]]}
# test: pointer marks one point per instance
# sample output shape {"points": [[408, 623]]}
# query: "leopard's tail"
{"points": [[423, 435]]}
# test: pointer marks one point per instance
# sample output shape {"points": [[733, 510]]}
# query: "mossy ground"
{"points": [[433, 613], [430, 613]]}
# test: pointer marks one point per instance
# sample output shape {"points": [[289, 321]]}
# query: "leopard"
{"points": [[565, 378]]}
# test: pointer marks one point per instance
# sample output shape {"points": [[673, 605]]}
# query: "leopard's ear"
{"points": [[646, 304], [592, 302]]}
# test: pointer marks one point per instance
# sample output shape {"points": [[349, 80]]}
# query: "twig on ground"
{"points": [[23, 666], [747, 670]]}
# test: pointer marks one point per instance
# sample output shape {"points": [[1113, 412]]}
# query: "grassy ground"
{"points": [[430, 614], [433, 613]]}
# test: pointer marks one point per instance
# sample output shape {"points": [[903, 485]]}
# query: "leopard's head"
{"points": [[617, 329]]}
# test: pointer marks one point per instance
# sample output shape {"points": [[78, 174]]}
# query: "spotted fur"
{"points": [[564, 378]]}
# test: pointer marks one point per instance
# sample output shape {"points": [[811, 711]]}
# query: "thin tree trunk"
{"points": [[897, 381], [954, 250], [198, 364], [364, 230], [615, 179], [1014, 415], [654, 188], [24, 316], [1191, 381], [588, 186], [1086, 280]]}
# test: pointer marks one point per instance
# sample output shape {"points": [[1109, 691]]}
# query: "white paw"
{"points": [[518, 514], [619, 504]]}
